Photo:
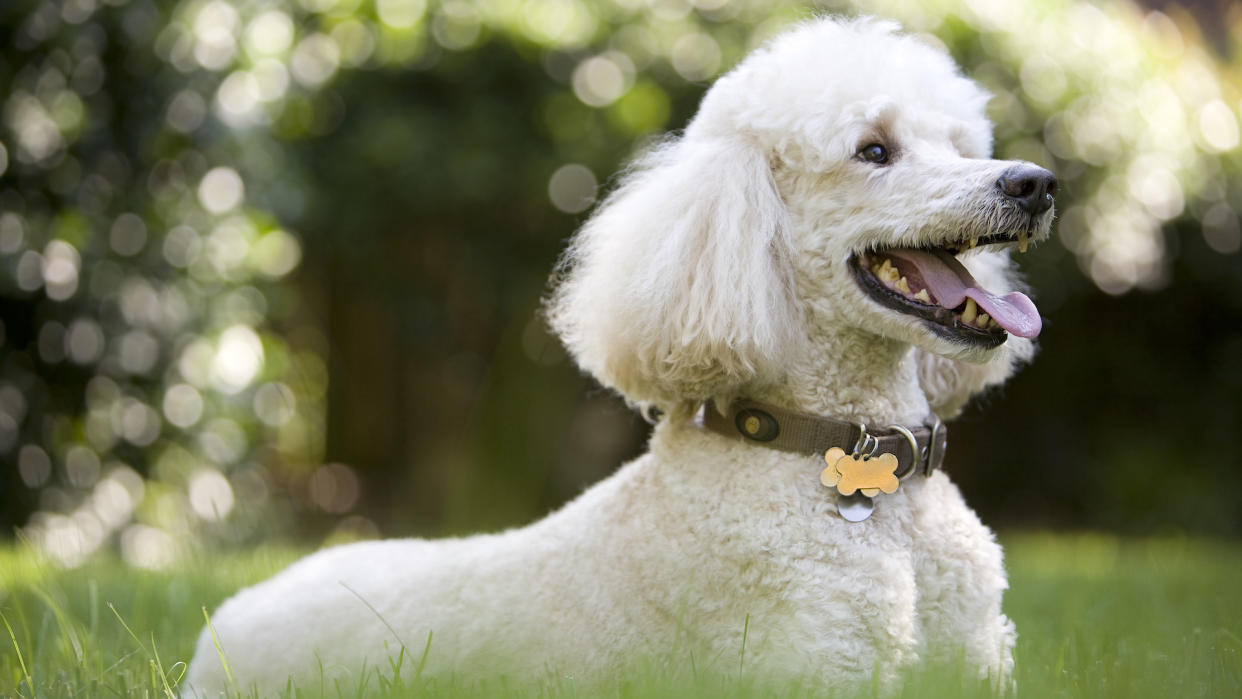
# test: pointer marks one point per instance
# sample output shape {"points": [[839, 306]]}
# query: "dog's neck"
{"points": [[853, 375]]}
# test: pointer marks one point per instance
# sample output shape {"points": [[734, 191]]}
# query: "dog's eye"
{"points": [[874, 153]]}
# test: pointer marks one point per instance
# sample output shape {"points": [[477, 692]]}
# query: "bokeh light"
{"points": [[221, 190], [572, 188]]}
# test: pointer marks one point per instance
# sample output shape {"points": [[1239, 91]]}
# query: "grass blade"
{"points": [[224, 659], [157, 669], [17, 649]]}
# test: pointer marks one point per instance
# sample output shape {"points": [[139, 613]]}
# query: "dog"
{"points": [[798, 285]]}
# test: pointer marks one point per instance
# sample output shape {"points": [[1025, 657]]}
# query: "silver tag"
{"points": [[856, 507]]}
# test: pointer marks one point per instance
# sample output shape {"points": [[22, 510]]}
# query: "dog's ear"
{"points": [[679, 289], [949, 383]]}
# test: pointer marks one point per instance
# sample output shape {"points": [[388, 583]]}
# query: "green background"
{"points": [[350, 345]]}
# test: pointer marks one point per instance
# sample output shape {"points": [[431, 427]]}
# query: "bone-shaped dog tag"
{"points": [[858, 480], [867, 475]]}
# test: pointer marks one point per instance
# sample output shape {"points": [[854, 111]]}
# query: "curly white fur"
{"points": [[717, 269]]}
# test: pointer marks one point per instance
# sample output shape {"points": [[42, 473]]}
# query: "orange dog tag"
{"points": [[850, 474]]}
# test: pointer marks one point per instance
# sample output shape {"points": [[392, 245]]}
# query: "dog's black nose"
{"points": [[1031, 187]]}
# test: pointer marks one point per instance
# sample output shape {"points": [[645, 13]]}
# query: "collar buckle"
{"points": [[932, 456]]}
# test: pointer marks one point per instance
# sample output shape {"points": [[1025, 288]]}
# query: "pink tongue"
{"points": [[950, 283]]}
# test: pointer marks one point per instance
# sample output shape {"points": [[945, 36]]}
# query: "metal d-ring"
{"points": [[929, 454], [867, 445], [914, 449]]}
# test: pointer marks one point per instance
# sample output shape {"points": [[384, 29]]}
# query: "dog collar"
{"points": [[860, 462]]}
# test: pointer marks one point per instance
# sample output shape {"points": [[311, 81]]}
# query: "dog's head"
{"points": [[838, 177]]}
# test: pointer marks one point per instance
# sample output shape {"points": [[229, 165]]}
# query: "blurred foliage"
{"points": [[271, 266]]}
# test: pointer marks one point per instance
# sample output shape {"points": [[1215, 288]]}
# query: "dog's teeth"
{"points": [[1022, 241], [887, 272], [968, 315], [903, 286], [923, 296], [982, 320], [974, 241]]}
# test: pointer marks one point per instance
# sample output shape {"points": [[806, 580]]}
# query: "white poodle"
{"points": [[795, 262]]}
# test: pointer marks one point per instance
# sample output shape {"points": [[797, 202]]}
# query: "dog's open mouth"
{"points": [[931, 284]]}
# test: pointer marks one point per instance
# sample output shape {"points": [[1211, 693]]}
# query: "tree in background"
{"points": [[274, 266]]}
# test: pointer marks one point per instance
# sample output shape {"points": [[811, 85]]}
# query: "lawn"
{"points": [[1097, 616]]}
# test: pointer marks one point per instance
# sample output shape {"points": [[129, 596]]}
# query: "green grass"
{"points": [[1097, 616]]}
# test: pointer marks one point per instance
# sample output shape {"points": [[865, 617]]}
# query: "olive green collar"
{"points": [[861, 462]]}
